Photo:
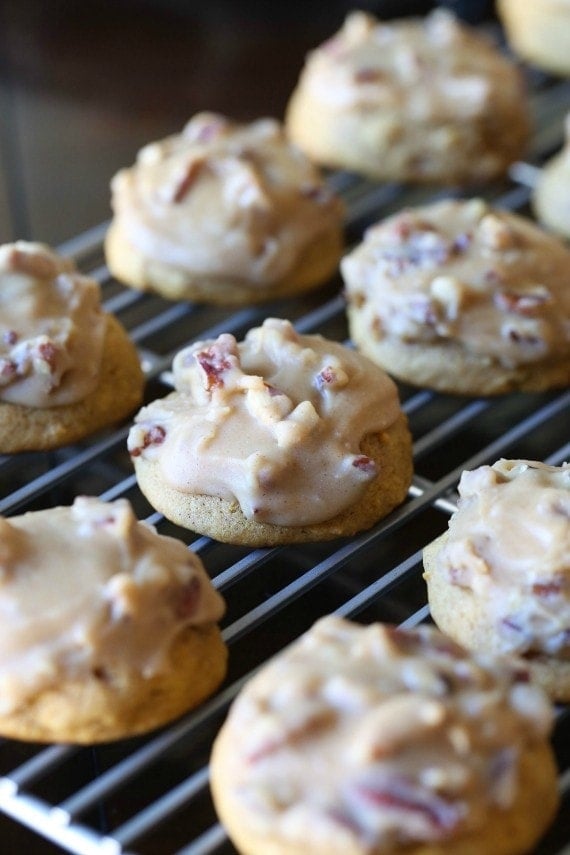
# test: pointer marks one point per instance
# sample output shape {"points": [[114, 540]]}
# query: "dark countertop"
{"points": [[84, 85]]}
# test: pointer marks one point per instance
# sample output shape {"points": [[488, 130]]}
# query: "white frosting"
{"points": [[460, 271], [377, 737], [87, 586], [274, 422], [223, 198], [52, 328], [509, 543]]}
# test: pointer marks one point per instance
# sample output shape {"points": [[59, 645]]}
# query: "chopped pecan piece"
{"points": [[305, 719], [213, 361], [193, 168], [318, 193], [8, 370], [155, 435], [547, 589], [186, 599], [405, 797], [33, 263], [462, 242], [206, 127], [423, 311], [47, 351], [365, 464], [368, 74], [523, 337], [495, 233], [331, 377], [526, 303], [10, 337]]}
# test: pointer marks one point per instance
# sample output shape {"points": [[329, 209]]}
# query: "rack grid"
{"points": [[149, 795]]}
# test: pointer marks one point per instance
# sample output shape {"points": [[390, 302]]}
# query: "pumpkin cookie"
{"points": [[224, 213], [410, 100], [108, 629], [499, 579], [462, 298], [67, 369], [281, 438], [377, 741]]}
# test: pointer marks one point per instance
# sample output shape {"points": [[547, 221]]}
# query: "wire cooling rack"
{"points": [[150, 795]]}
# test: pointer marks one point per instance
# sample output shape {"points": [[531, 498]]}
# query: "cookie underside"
{"points": [[385, 146], [462, 615], [447, 367], [224, 521], [118, 702], [315, 265]]}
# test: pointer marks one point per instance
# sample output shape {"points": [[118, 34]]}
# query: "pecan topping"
{"points": [[10, 337], [424, 247], [526, 303], [495, 233], [213, 361], [193, 168], [206, 127], [47, 352], [8, 370], [32, 263], [155, 435], [186, 599], [547, 589], [304, 720], [365, 464], [523, 337], [404, 796], [368, 74], [331, 377], [320, 194]]}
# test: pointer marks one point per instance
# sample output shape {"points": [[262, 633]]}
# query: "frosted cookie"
{"points": [[108, 629], [224, 213], [551, 196], [538, 30], [67, 369], [499, 578], [281, 438], [410, 100], [462, 298], [371, 740]]}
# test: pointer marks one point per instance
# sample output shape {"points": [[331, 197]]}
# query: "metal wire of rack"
{"points": [[150, 794]]}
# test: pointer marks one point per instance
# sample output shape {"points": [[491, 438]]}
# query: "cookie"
{"points": [[551, 195], [421, 100], [539, 31], [67, 369], [370, 740], [281, 438], [108, 628], [499, 579], [462, 298], [224, 213]]}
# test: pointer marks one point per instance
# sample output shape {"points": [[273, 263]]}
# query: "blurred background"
{"points": [[84, 84]]}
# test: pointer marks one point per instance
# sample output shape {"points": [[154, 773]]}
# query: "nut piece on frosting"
{"points": [[108, 629], [410, 100], [462, 298], [224, 213], [66, 367], [499, 578], [280, 438], [380, 740]]}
